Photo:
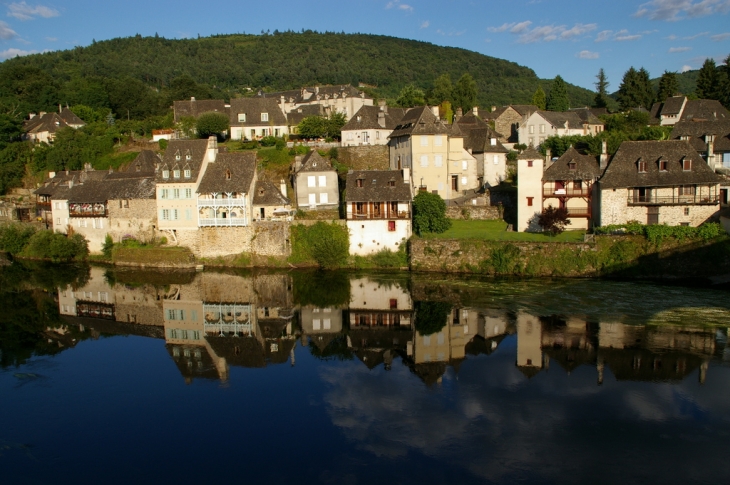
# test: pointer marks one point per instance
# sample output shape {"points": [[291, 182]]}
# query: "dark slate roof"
{"points": [[479, 140], [145, 162], [58, 186], [266, 193], [586, 167], [240, 165], [672, 105], [176, 155], [311, 94], [493, 115], [50, 122], [530, 154], [314, 162], [253, 107], [622, 169], [113, 187], [470, 120], [295, 117], [195, 107], [367, 118], [704, 110], [696, 131], [558, 119], [70, 117], [239, 351], [524, 109], [588, 115], [420, 121], [375, 186]]}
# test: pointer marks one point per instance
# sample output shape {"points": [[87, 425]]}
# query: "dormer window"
{"points": [[165, 174], [641, 166], [188, 157], [686, 164], [571, 166], [177, 155], [187, 173], [359, 118], [358, 182], [264, 116], [662, 165], [228, 174], [175, 173], [391, 183], [374, 181], [241, 117], [139, 167]]}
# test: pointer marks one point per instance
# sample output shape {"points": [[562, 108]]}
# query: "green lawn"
{"points": [[496, 231]]}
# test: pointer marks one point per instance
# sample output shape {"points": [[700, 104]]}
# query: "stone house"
{"points": [[432, 155], [679, 108], [482, 142], [254, 118], [316, 183], [53, 196], [344, 99], [542, 124], [711, 139], [507, 120], [378, 210], [568, 183], [193, 108], [371, 125], [658, 182], [270, 201], [224, 196], [530, 165], [43, 127], [181, 172]]}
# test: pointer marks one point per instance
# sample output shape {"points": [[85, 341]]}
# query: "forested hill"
{"points": [[113, 73]]}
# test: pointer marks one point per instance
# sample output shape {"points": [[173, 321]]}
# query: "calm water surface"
{"points": [[128, 377]]}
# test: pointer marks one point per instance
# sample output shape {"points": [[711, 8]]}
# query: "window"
{"points": [[126, 203], [424, 159], [529, 163], [438, 140], [438, 161], [187, 173], [493, 142], [662, 165], [571, 166], [358, 182], [359, 208], [165, 214], [686, 165], [391, 226], [578, 185], [264, 116], [323, 198], [529, 201], [175, 193], [424, 141], [188, 193], [323, 181], [58, 220], [165, 174], [686, 211], [312, 181], [176, 174], [496, 159], [241, 117], [57, 205], [531, 141], [464, 164], [542, 128], [174, 214], [686, 190], [641, 166], [532, 129], [165, 194], [393, 304]]}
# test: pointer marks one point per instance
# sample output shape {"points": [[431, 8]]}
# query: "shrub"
{"points": [[212, 124], [56, 247], [505, 259], [553, 220], [14, 237], [429, 214], [268, 141], [386, 258], [163, 144], [106, 248], [326, 244]]}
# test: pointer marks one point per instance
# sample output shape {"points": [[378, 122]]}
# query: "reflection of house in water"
{"points": [[321, 325], [493, 325], [571, 342], [380, 319], [530, 358]]}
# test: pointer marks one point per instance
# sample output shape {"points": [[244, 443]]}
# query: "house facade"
{"points": [[530, 165], [255, 118], [270, 202], [711, 139], [507, 120], [678, 108], [482, 142], [192, 108], [542, 124], [344, 99], [658, 182], [316, 183], [378, 210], [371, 125], [224, 197], [43, 127]]}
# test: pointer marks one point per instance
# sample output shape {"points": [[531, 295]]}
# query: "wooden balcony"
{"points": [[382, 216], [674, 200], [553, 192], [578, 212], [89, 213]]}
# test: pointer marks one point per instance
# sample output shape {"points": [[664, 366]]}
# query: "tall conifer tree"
{"points": [[668, 86], [707, 85], [601, 99], [538, 99], [557, 99]]}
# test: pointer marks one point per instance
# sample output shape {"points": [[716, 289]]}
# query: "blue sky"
{"points": [[571, 38]]}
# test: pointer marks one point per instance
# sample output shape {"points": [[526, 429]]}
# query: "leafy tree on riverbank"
{"points": [[429, 214]]}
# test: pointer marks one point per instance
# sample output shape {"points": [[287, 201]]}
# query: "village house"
{"points": [[344, 99], [507, 120], [568, 184], [711, 139], [378, 210], [371, 125], [255, 118], [224, 196], [270, 202], [43, 127], [316, 183], [658, 182], [482, 142], [530, 165], [296, 116], [193, 108], [434, 154], [678, 108], [542, 124]]}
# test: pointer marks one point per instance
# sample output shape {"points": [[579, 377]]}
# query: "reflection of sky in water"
{"points": [[494, 422]]}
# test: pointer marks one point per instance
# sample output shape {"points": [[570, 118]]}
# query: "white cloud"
{"points": [[23, 11], [501, 28], [6, 32], [623, 36], [51, 39], [578, 29], [405, 6], [672, 37], [604, 35], [693, 37], [686, 68], [673, 10], [12, 52], [587, 55], [399, 6], [673, 50], [545, 33], [719, 37], [425, 24], [521, 27]]}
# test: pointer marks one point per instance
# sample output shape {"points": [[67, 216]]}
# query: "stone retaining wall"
{"points": [[374, 157], [264, 238], [477, 212]]}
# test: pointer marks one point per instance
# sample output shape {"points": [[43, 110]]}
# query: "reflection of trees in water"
{"points": [[321, 289], [431, 316]]}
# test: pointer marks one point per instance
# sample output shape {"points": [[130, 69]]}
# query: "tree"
{"points": [[601, 99], [557, 99], [668, 86], [554, 220], [410, 96], [724, 83], [320, 127], [538, 99], [465, 93], [645, 89], [429, 214], [707, 85], [212, 124], [635, 90], [442, 90]]}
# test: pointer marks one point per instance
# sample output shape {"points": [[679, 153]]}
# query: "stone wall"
{"points": [[265, 238], [477, 212], [373, 157], [615, 210]]}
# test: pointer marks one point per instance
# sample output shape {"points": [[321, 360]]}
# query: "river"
{"points": [[118, 376]]}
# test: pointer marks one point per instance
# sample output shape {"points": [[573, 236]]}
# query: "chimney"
{"points": [[31, 116], [459, 114], [59, 108], [604, 156], [111, 170], [42, 113], [381, 119], [435, 111], [710, 140], [51, 175], [475, 111], [494, 108], [298, 162], [192, 98], [316, 90], [548, 157], [282, 187], [406, 175], [212, 150]]}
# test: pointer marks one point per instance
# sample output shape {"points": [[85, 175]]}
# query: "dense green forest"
{"points": [[140, 76]]}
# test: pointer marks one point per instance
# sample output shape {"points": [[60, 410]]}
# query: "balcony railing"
{"points": [[232, 202], [399, 215], [93, 213], [224, 222], [579, 212], [674, 200], [552, 192]]}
